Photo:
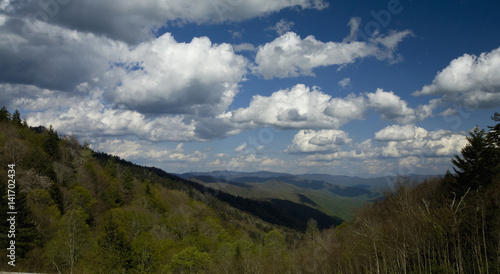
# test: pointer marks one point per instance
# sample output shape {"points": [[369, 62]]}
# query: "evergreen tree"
{"points": [[475, 167], [111, 167], [51, 144], [113, 245], [4, 115], [16, 118], [127, 179], [494, 134], [57, 196], [27, 236]]}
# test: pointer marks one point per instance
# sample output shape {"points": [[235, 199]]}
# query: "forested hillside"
{"points": [[80, 211]]}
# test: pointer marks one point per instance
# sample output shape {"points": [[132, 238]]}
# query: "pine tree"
{"points": [[494, 134], [16, 118], [475, 167], [51, 144], [27, 236], [113, 245], [4, 115]]}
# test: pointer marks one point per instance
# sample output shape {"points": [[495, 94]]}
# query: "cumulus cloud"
{"points": [[298, 107], [86, 116], [398, 133], [395, 141], [291, 56], [308, 141], [137, 150], [192, 82], [302, 107], [440, 143], [164, 76], [469, 78], [391, 106]]}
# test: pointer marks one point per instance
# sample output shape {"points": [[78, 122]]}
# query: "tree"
{"points": [[27, 236], [111, 167], [127, 179], [71, 241], [494, 133], [275, 249], [475, 167], [189, 260], [16, 118], [113, 245], [4, 115], [145, 253], [51, 144], [44, 212]]}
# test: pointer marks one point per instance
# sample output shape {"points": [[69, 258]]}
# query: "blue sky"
{"points": [[364, 88]]}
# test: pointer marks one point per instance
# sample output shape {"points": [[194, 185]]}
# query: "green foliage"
{"points": [[51, 144], [146, 253], [27, 235], [111, 167], [72, 240], [16, 118], [127, 179], [44, 212], [494, 134], [56, 194], [476, 167], [102, 220], [82, 198], [4, 115], [113, 250], [189, 260]]}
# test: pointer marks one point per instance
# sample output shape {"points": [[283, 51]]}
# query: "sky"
{"points": [[358, 88]]}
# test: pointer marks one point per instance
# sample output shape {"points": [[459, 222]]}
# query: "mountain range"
{"points": [[334, 195]]}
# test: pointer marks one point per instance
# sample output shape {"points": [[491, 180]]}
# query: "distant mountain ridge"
{"points": [[336, 195]]}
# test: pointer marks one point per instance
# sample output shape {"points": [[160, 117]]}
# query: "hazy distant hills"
{"points": [[335, 195]]}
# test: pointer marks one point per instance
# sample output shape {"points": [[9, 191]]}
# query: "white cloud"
{"points": [[439, 143], [354, 26], [449, 112], [291, 56], [298, 107], [308, 141], [146, 151], [395, 142], [170, 77], [302, 107], [241, 148], [345, 83], [87, 116], [391, 107], [348, 108], [397, 133], [469, 79], [243, 47], [283, 26]]}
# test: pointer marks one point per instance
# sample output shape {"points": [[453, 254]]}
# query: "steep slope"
{"points": [[334, 200], [83, 211]]}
